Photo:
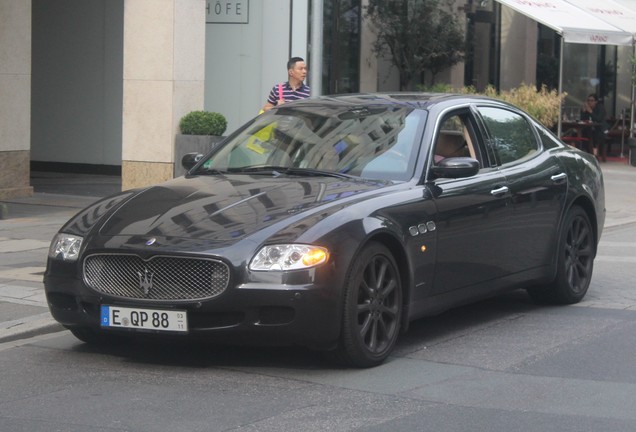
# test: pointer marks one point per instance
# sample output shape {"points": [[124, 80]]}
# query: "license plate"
{"points": [[144, 319]]}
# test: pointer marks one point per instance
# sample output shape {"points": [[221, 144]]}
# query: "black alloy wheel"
{"points": [[575, 262], [373, 308]]}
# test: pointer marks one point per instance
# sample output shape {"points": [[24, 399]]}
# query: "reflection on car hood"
{"points": [[226, 207]]}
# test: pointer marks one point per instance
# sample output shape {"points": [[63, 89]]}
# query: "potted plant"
{"points": [[200, 132]]}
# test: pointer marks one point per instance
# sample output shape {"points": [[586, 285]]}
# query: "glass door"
{"points": [[341, 49]]}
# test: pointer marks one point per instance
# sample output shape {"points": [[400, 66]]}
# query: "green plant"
{"points": [[418, 36], [203, 123], [543, 104], [435, 88]]}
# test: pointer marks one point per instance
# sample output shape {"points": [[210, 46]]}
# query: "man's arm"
{"points": [[268, 106], [272, 100]]}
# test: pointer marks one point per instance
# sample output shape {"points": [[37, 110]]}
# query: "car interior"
{"points": [[453, 140]]}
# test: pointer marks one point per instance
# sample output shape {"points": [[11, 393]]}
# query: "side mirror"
{"points": [[189, 160], [459, 167]]}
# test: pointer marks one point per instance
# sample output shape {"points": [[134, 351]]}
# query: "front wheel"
{"points": [[575, 262], [372, 308]]}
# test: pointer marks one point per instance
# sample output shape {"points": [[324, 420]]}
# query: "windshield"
{"points": [[374, 142]]}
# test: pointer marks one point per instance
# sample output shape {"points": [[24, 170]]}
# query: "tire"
{"points": [[372, 308], [575, 262]]}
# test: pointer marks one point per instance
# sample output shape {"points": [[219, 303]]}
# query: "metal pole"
{"points": [[560, 86], [631, 106], [315, 56], [623, 131]]}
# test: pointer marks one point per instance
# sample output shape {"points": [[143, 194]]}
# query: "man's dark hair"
{"points": [[292, 62]]}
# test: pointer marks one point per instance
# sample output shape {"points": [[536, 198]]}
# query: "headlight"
{"points": [[289, 257], [65, 247]]}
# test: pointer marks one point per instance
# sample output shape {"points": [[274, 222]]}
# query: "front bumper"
{"points": [[254, 313]]}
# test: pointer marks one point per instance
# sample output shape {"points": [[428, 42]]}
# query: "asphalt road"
{"points": [[500, 365]]}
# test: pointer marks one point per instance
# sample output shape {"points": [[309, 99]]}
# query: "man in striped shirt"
{"points": [[293, 89]]}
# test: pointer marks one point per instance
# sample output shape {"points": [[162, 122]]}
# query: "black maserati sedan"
{"points": [[332, 223]]}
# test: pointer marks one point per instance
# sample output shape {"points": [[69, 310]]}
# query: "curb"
{"points": [[29, 326]]}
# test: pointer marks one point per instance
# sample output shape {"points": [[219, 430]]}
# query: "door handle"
{"points": [[558, 177], [499, 191]]}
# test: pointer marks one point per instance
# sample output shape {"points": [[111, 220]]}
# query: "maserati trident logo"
{"points": [[145, 280], [151, 241]]}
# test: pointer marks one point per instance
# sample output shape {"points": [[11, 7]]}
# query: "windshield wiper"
{"points": [[316, 172], [260, 169], [282, 170], [208, 171]]}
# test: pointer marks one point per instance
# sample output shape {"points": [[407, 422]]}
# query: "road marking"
{"points": [[617, 244], [600, 303], [615, 259]]}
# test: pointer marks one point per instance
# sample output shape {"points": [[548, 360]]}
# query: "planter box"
{"points": [[184, 144]]}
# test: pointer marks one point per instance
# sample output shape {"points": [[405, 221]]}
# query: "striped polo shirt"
{"points": [[288, 94]]}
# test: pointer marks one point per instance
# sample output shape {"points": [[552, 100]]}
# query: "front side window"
{"points": [[509, 133], [371, 142], [455, 139]]}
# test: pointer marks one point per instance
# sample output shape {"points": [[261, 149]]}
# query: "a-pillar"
{"points": [[15, 98], [164, 49]]}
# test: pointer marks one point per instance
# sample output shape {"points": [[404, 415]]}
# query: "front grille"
{"points": [[159, 278]]}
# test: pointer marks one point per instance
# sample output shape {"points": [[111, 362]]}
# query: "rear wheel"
{"points": [[372, 308], [575, 262]]}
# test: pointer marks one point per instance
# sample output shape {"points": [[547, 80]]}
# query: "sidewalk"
{"points": [[25, 234], [30, 224]]}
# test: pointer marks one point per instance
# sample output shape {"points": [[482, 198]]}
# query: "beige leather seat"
{"points": [[450, 145]]}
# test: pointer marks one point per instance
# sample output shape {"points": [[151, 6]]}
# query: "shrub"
{"points": [[203, 123], [436, 88], [544, 105]]}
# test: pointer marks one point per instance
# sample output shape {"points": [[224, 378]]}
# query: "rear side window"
{"points": [[510, 134], [548, 139]]}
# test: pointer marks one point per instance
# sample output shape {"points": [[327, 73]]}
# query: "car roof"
{"points": [[408, 99]]}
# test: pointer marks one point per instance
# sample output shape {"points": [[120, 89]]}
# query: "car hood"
{"points": [[229, 206]]}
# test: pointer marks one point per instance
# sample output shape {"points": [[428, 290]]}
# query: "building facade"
{"points": [[100, 85]]}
